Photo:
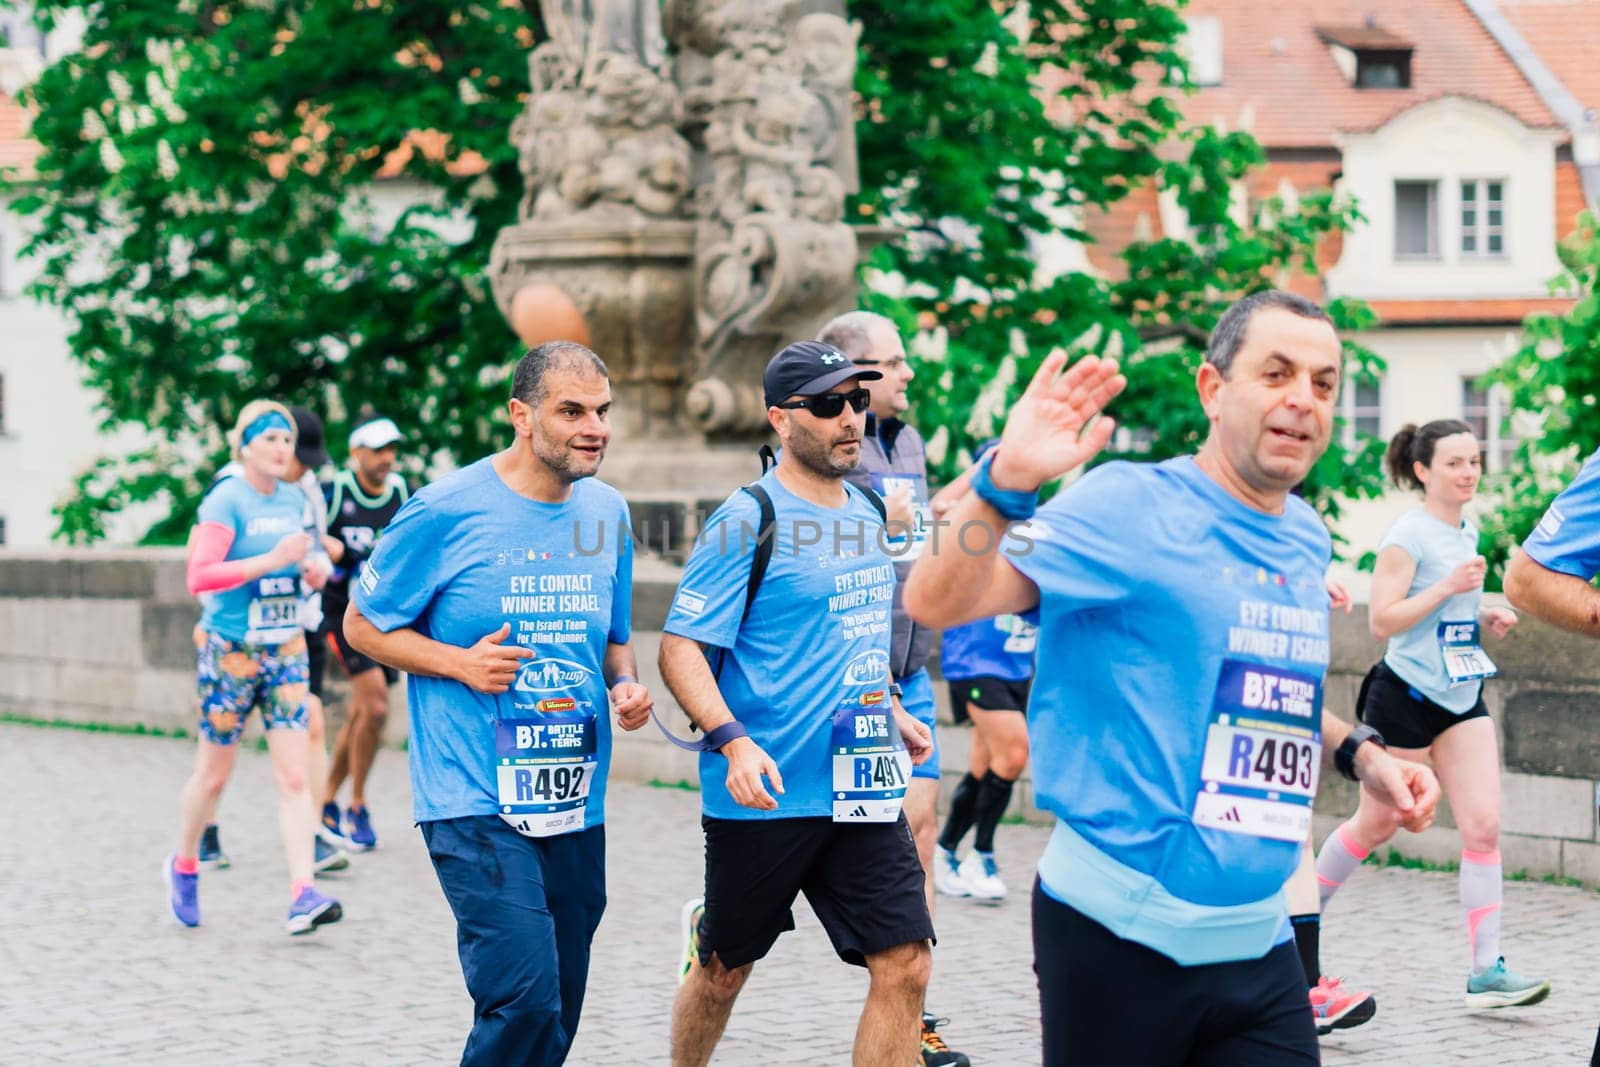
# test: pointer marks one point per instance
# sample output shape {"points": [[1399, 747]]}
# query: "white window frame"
{"points": [[1480, 230], [1435, 227], [1498, 442], [1350, 412]]}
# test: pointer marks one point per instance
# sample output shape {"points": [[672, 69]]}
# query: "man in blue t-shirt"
{"points": [[807, 750], [894, 464], [504, 590], [1552, 577], [1176, 720]]}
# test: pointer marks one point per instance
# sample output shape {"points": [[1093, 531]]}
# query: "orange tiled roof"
{"points": [[1566, 35], [17, 149], [1279, 75], [1395, 312]]}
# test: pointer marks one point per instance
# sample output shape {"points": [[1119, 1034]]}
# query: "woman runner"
{"points": [[1426, 695], [249, 552]]}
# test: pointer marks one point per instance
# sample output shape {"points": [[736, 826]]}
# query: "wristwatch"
{"points": [[1344, 757], [895, 690]]}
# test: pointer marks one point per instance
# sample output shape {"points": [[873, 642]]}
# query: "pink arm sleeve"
{"points": [[209, 570]]}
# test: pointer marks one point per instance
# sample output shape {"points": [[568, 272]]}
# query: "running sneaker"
{"points": [[327, 858], [982, 877], [1500, 987], [934, 1052], [183, 892], [1336, 1008], [361, 835], [330, 820], [692, 913], [310, 910], [947, 873], [211, 854]]}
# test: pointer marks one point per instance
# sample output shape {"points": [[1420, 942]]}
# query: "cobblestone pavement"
{"points": [[92, 969]]}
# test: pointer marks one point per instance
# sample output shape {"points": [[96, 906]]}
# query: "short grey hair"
{"points": [[851, 333], [1231, 329], [527, 384]]}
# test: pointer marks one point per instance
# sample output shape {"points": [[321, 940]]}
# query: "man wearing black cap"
{"points": [[807, 749], [362, 501]]}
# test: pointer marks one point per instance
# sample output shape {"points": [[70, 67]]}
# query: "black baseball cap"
{"points": [[309, 446], [809, 368]]}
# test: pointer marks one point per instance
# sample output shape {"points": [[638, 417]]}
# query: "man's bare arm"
{"points": [[1562, 600]]}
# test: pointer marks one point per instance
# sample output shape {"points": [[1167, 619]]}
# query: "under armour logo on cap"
{"points": [[809, 368]]}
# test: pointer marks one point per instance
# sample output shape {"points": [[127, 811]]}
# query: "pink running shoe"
{"points": [[1336, 1008]]}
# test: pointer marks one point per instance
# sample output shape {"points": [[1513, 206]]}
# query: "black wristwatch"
{"points": [[1344, 757], [895, 690]]}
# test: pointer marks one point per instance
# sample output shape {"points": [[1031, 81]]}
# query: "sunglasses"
{"points": [[831, 405]]}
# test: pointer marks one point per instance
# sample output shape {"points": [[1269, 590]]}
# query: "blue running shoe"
{"points": [[1500, 987], [330, 819], [327, 858], [310, 910], [361, 835], [183, 892], [211, 854]]}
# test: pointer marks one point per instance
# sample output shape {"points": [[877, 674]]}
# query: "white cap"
{"points": [[379, 433]]}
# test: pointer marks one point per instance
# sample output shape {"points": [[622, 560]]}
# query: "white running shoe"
{"points": [[982, 877], [947, 874]]}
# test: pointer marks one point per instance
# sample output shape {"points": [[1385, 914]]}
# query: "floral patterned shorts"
{"points": [[236, 677]]}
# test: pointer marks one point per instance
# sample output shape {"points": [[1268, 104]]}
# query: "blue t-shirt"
{"points": [[1157, 588], [999, 647], [465, 555], [1567, 539], [265, 610], [816, 638], [1415, 654]]}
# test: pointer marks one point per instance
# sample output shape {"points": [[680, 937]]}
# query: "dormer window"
{"points": [[1383, 70], [1369, 56]]}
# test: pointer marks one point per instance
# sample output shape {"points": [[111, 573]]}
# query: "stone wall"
{"points": [[105, 637]]}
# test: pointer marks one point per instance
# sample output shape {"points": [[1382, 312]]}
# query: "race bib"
{"points": [[1263, 753], [274, 613], [1464, 658], [870, 764], [544, 769], [1022, 637], [903, 544]]}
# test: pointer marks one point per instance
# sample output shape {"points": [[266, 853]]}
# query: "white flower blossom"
{"points": [[94, 127], [120, 89], [110, 158], [468, 92], [166, 161]]}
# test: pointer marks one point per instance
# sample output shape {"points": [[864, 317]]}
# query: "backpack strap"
{"points": [[872, 498], [766, 533]]}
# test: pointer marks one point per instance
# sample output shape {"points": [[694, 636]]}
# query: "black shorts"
{"points": [[316, 664], [1403, 714], [988, 693], [1247, 1013], [353, 662], [863, 880]]}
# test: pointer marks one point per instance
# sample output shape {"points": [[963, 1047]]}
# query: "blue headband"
{"points": [[268, 421]]}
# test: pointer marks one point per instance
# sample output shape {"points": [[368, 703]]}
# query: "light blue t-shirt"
{"points": [[463, 556], [816, 638], [1415, 655], [265, 610], [1567, 539], [1164, 603], [999, 647]]}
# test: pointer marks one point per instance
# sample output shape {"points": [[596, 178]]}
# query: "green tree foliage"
{"points": [[966, 145], [1555, 377], [204, 213]]}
